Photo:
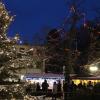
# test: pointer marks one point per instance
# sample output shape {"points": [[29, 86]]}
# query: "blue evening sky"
{"points": [[33, 16]]}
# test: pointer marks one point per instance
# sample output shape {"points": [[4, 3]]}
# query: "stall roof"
{"points": [[51, 75], [88, 78], [42, 75], [46, 75]]}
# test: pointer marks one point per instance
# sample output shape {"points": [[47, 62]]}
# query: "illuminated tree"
{"points": [[11, 60], [7, 50], [6, 45]]}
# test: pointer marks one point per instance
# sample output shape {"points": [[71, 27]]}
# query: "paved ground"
{"points": [[41, 98], [51, 99]]}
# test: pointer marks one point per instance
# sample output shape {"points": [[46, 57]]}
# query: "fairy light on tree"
{"points": [[5, 19], [11, 60], [9, 56]]}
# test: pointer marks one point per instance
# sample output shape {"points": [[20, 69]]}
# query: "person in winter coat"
{"points": [[54, 90], [45, 86]]}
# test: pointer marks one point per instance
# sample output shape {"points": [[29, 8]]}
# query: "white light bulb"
{"points": [[93, 68]]}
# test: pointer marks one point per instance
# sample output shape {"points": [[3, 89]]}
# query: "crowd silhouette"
{"points": [[60, 89]]}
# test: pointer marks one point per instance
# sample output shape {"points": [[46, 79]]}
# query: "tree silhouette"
{"points": [[54, 51]]}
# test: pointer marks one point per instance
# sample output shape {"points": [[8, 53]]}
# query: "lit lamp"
{"points": [[93, 68], [17, 37]]}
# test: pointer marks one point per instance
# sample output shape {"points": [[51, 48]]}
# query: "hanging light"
{"points": [[93, 68]]}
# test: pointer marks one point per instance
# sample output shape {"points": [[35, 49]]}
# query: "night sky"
{"points": [[33, 16]]}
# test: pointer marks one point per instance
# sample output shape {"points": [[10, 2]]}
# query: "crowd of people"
{"points": [[43, 89], [61, 89]]}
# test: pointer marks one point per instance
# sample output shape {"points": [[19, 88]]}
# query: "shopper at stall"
{"points": [[54, 91], [59, 89], [45, 86]]}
